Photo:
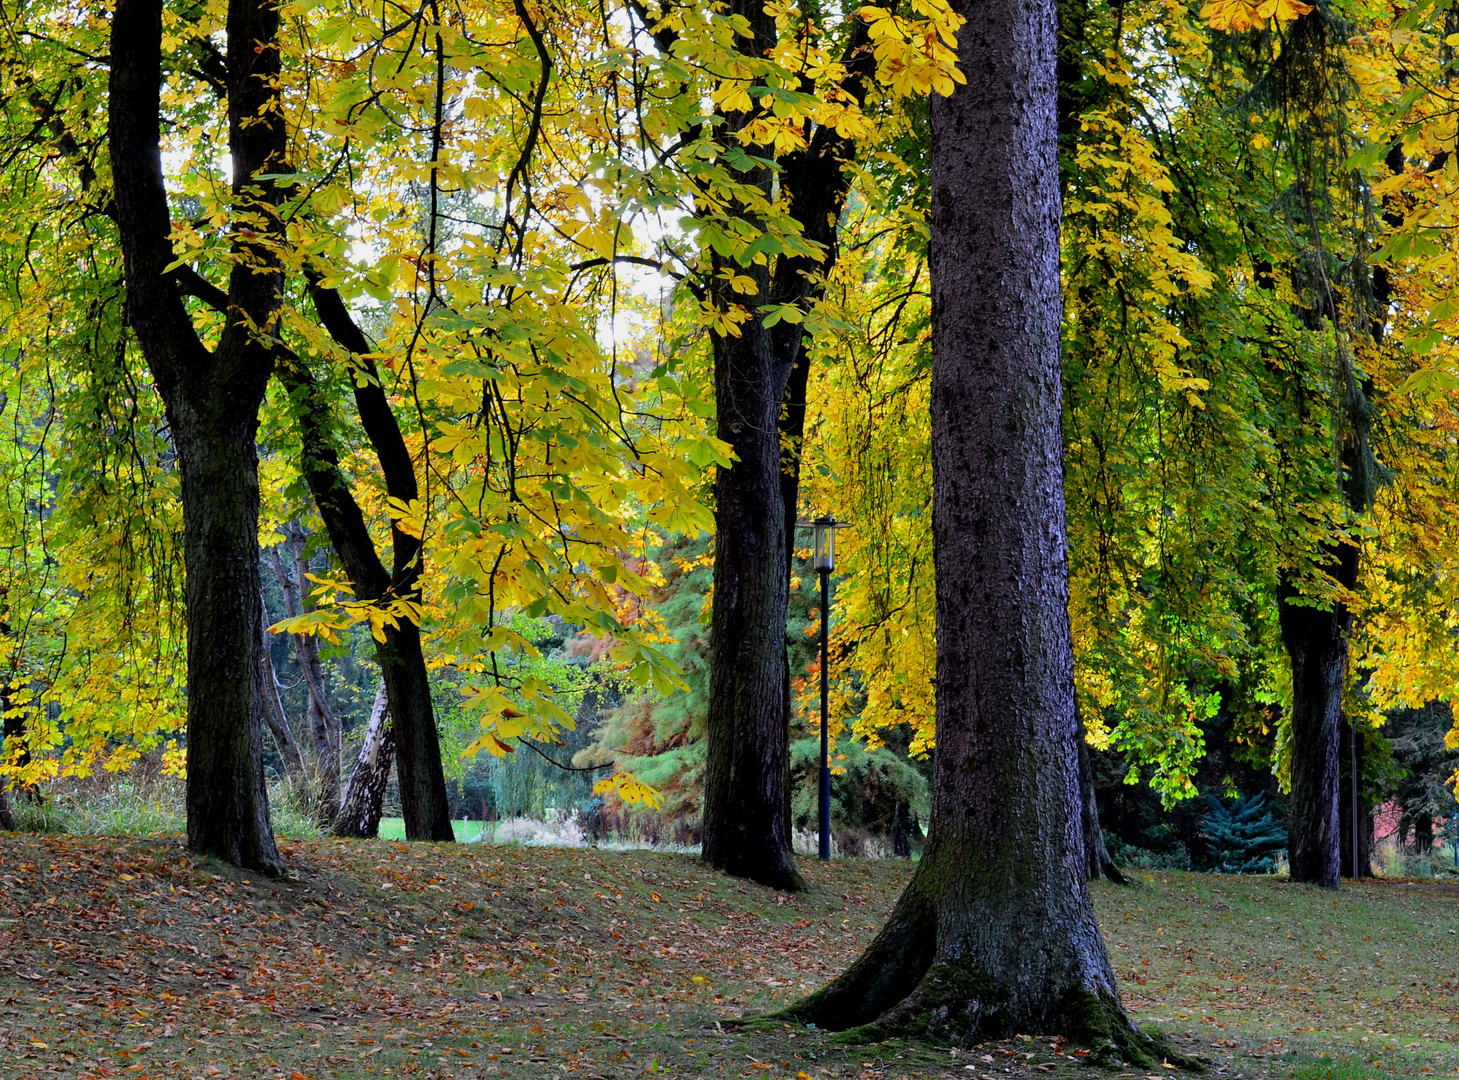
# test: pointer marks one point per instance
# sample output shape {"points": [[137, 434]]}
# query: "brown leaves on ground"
{"points": [[134, 959]]}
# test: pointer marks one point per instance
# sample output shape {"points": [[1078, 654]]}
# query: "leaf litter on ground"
{"points": [[134, 958]]}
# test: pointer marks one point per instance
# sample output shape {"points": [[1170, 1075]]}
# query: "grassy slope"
{"points": [[382, 959]]}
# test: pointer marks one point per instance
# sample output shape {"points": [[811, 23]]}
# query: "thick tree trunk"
{"points": [[212, 399], [996, 932], [364, 797], [1345, 807], [227, 802], [7, 816], [1316, 641], [278, 719], [746, 823]]}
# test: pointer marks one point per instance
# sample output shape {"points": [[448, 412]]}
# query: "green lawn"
{"points": [[132, 958], [393, 828]]}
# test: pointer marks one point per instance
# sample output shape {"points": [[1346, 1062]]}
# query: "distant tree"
{"points": [[1243, 838], [1423, 791]]}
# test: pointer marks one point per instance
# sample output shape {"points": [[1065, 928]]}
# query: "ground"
{"points": [[132, 958]]}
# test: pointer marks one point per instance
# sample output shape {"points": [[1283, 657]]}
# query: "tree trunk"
{"points": [[278, 719], [1423, 834], [423, 799], [227, 802], [7, 816], [746, 823], [1097, 863], [325, 728], [1316, 641], [1345, 807], [996, 931], [212, 399], [364, 797]]}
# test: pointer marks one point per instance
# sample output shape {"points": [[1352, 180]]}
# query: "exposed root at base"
{"points": [[954, 1006]]}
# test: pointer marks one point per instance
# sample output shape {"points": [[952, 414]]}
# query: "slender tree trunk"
{"points": [[212, 397], [996, 931], [1097, 863], [364, 797], [1316, 641], [423, 799], [278, 719], [325, 728]]}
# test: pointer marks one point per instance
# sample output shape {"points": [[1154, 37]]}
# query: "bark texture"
{"points": [[996, 931], [212, 399], [364, 796], [760, 386], [1316, 641], [7, 816]]}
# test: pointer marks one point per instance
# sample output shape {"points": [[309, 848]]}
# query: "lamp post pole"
{"points": [[824, 561], [825, 573]]}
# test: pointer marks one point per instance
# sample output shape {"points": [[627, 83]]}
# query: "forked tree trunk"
{"points": [[364, 796], [747, 762], [996, 932], [212, 397], [1316, 641]]}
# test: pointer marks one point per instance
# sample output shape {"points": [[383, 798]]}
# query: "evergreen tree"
{"points": [[1243, 838]]}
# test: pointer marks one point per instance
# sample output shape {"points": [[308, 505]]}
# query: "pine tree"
{"points": [[1243, 838]]}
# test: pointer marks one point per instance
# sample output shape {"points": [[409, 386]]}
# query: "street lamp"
{"points": [[824, 560]]}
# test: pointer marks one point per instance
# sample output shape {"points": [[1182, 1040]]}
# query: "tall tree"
{"points": [[411, 723], [212, 398], [996, 931]]}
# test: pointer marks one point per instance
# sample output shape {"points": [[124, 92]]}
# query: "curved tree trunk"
{"points": [[212, 398], [423, 799], [1316, 641], [364, 796], [996, 931]]}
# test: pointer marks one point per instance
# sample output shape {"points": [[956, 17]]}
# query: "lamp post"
{"points": [[824, 560]]}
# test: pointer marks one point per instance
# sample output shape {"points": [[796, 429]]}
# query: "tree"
{"points": [[996, 931], [212, 397]]}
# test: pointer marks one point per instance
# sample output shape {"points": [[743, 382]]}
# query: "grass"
{"points": [[131, 957], [393, 828]]}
